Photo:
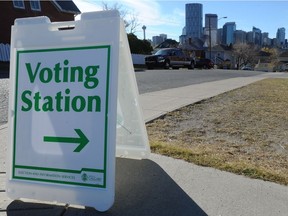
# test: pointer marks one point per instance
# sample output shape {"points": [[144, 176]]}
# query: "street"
{"points": [[156, 80], [150, 81]]}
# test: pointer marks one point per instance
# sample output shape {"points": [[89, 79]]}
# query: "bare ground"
{"points": [[244, 131]]}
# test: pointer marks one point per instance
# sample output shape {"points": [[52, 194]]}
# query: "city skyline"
{"points": [[168, 17]]}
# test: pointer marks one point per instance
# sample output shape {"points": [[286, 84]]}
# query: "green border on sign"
{"points": [[104, 171]]}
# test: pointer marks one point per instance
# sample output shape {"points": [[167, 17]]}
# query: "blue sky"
{"points": [[168, 17]]}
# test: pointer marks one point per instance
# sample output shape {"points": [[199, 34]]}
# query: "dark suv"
{"points": [[204, 63], [169, 57]]}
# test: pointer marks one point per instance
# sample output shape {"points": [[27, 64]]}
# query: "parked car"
{"points": [[204, 63], [169, 57], [247, 67]]}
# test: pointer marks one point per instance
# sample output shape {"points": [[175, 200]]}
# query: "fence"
{"points": [[5, 55], [138, 59], [4, 52]]}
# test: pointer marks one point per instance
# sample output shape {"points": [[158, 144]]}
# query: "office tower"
{"points": [[239, 37], [257, 36], [220, 36], [156, 40], [250, 37], [280, 36], [211, 23], [228, 33], [194, 20], [265, 39], [164, 36], [211, 19]]}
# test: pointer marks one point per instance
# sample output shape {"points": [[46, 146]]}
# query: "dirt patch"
{"points": [[244, 131]]}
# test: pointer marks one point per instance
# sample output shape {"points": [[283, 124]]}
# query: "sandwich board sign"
{"points": [[73, 106]]}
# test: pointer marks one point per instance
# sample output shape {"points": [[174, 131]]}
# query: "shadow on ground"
{"points": [[143, 188]]}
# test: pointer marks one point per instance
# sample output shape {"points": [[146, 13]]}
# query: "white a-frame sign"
{"points": [[73, 106]]}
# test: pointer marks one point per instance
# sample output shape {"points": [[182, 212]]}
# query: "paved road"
{"points": [[4, 94], [156, 80]]}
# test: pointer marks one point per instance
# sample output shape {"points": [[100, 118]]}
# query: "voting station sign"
{"points": [[61, 111], [73, 107]]}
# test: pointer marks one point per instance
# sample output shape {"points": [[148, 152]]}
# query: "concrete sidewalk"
{"points": [[159, 103], [165, 186]]}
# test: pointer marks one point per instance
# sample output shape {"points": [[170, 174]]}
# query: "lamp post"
{"points": [[209, 23]]}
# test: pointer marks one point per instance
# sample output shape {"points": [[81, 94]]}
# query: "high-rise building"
{"points": [[257, 36], [156, 40], [182, 38], [211, 25], [194, 20], [220, 36], [211, 20], [239, 37], [164, 36], [265, 39], [280, 36], [250, 37], [228, 33], [274, 42]]}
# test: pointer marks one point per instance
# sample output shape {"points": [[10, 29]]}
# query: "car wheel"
{"points": [[167, 64]]}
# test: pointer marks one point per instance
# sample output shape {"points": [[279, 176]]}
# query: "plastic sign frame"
{"points": [[63, 110]]}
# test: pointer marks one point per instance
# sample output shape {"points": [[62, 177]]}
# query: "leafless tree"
{"points": [[133, 23], [244, 54], [130, 18]]}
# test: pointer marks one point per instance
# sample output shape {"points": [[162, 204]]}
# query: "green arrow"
{"points": [[82, 140]]}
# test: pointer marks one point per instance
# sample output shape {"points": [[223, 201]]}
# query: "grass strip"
{"points": [[244, 131]]}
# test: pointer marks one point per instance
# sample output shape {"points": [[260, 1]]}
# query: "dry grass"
{"points": [[244, 131]]}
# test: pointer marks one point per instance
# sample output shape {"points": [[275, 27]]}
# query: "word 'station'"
{"points": [[62, 101]]}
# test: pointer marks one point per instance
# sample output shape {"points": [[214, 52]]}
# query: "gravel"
{"points": [[4, 98]]}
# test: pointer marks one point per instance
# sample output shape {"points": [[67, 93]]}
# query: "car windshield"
{"points": [[163, 52]]}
